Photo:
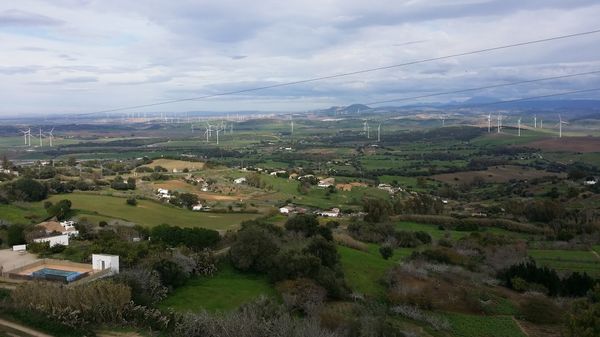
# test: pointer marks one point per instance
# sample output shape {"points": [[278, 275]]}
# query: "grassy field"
{"points": [[568, 260], [483, 326], [21, 214], [363, 270], [227, 290], [437, 234], [150, 213]]}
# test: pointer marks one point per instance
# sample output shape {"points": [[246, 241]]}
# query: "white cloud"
{"points": [[104, 54]]}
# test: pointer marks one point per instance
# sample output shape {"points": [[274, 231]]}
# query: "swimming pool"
{"points": [[56, 275]]}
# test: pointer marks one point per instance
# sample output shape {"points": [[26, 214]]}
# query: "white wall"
{"points": [[19, 248], [110, 262], [55, 240]]}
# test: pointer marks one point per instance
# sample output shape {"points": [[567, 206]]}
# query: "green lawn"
{"points": [[227, 290], [364, 270], [568, 260], [483, 326], [150, 213]]}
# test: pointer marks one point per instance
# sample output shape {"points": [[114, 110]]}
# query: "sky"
{"points": [[83, 56]]}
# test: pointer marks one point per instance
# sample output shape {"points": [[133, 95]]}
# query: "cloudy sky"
{"points": [[78, 56]]}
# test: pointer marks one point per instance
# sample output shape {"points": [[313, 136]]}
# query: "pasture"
{"points": [[568, 260], [364, 269], [496, 174], [483, 326], [150, 213], [22, 213], [226, 290]]}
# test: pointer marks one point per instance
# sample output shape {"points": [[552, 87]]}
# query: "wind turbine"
{"points": [[519, 125], [541, 123], [218, 130], [51, 136], [379, 133], [443, 118], [560, 124], [368, 130], [207, 133], [535, 121], [41, 144], [26, 134], [499, 123], [489, 123]]}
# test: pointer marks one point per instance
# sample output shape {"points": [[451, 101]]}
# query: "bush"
{"points": [[302, 294], [540, 310], [254, 249], [303, 223], [386, 252], [131, 201]]}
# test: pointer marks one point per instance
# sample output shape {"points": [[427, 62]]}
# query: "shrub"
{"points": [[386, 252], [302, 294], [254, 249], [540, 310], [131, 201]]}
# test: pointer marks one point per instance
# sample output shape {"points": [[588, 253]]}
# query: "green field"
{"points": [[364, 270], [568, 260], [21, 214], [483, 326], [150, 213], [437, 234], [227, 290]]}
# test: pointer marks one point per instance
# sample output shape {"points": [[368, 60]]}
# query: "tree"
{"points": [[6, 164], [378, 210], [386, 251], [131, 201], [60, 210], [15, 235], [253, 250], [584, 317], [303, 223], [27, 189], [324, 250]]}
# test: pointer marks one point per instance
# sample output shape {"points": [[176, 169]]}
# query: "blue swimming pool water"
{"points": [[55, 274]]}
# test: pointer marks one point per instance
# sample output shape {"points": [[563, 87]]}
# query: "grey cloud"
{"points": [[19, 70], [238, 57], [14, 17]]}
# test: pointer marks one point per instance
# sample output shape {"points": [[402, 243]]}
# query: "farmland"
{"points": [[479, 326], [227, 290], [568, 260], [150, 213]]}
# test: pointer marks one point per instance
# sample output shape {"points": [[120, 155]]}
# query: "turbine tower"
{"points": [[379, 133], [41, 144], [51, 136], [443, 118], [519, 126], [499, 123], [489, 123], [535, 121], [560, 124]]}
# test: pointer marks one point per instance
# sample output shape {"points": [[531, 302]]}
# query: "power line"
{"points": [[528, 98], [315, 79], [483, 88]]}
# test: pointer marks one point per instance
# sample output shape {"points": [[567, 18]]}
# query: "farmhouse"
{"points": [[326, 182], [63, 227], [333, 213], [590, 181], [286, 210], [389, 188], [197, 207], [62, 239], [6, 171], [240, 180], [162, 193]]}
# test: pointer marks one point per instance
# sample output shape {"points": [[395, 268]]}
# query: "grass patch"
{"points": [[227, 290], [568, 260], [364, 270], [483, 326], [21, 214]]}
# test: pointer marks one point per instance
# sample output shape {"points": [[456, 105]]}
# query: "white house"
{"points": [[333, 213], [55, 240], [162, 191], [326, 182], [240, 180], [197, 207], [590, 181], [286, 210], [103, 261]]}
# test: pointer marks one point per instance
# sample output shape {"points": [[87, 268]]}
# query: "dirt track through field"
{"points": [[21, 328]]}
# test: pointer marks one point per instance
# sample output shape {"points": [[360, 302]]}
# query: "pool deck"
{"points": [[80, 269]]}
